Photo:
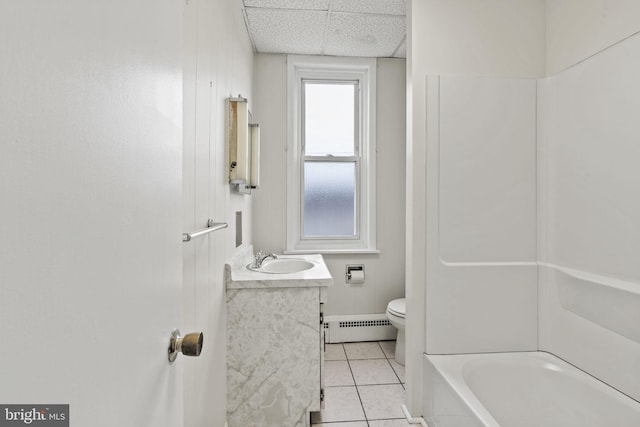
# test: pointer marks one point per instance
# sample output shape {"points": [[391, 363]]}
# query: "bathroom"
{"points": [[113, 143]]}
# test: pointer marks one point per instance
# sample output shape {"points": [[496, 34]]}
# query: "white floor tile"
{"points": [[389, 348], [363, 350], [334, 352], [389, 423], [337, 373], [382, 401], [378, 392], [373, 371], [340, 404], [348, 424], [399, 370]]}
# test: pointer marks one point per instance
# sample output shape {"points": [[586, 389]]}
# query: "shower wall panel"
{"points": [[590, 215], [481, 291]]}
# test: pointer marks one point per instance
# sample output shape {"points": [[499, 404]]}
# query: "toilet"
{"points": [[396, 310]]}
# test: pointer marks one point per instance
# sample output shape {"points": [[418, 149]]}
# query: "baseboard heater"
{"points": [[358, 327]]}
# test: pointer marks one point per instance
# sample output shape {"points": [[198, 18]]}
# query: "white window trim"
{"points": [[363, 70]]}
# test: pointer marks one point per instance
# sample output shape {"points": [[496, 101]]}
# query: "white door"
{"points": [[90, 198]]}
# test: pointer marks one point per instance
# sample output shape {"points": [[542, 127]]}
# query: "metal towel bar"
{"points": [[211, 226]]}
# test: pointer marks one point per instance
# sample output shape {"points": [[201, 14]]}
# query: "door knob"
{"points": [[189, 345]]}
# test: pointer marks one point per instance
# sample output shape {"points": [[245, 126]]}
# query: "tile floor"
{"points": [[364, 386]]}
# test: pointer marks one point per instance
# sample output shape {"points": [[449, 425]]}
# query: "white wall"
{"points": [[384, 271], [578, 29], [218, 63], [589, 181], [496, 38], [270, 111]]}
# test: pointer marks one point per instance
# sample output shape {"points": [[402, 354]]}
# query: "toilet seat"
{"points": [[397, 307]]}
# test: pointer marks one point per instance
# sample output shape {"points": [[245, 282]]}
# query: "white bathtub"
{"points": [[531, 389]]}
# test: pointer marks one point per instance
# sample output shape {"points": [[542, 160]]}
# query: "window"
{"points": [[331, 155]]}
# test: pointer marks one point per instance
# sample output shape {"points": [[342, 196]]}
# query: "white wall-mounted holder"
{"points": [[244, 147], [354, 274]]}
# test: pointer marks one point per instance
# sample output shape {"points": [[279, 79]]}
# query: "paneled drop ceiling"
{"points": [[371, 28]]}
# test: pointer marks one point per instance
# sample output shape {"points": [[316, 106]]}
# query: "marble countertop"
{"points": [[238, 276]]}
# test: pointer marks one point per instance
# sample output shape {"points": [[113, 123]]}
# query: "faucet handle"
{"points": [[257, 259]]}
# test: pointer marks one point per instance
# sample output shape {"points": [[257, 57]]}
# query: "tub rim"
{"points": [[451, 369]]}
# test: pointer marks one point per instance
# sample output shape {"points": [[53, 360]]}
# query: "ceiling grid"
{"points": [[369, 28]]}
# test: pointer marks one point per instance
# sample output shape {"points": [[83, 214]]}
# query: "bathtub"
{"points": [[530, 389]]}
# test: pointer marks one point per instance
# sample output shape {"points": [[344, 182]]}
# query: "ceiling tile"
{"points": [[286, 31], [289, 4], [363, 35], [384, 7]]}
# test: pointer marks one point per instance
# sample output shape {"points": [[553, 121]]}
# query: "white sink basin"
{"points": [[284, 266]]}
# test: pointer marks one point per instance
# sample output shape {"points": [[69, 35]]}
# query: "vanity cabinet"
{"points": [[275, 351]]}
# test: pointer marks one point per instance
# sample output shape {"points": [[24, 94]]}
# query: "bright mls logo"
{"points": [[34, 415]]}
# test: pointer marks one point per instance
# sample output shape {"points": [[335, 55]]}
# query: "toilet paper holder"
{"points": [[355, 274]]}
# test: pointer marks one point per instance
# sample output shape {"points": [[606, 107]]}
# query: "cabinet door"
{"points": [[273, 358]]}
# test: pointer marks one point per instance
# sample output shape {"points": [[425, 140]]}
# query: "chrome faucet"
{"points": [[259, 258]]}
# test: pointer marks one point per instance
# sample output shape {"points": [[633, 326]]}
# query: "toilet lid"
{"points": [[398, 307]]}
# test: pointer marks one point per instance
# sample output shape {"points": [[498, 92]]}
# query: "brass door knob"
{"points": [[189, 345]]}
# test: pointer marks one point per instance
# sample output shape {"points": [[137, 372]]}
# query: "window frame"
{"points": [[326, 69], [354, 158]]}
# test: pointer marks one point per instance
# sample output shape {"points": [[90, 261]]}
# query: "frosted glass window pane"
{"points": [[329, 199], [329, 119]]}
